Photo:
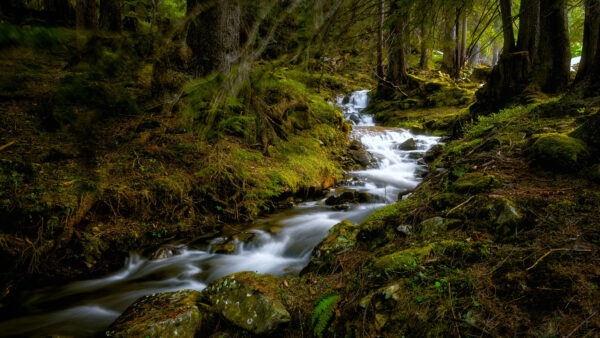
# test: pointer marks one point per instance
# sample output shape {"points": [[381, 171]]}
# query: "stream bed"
{"points": [[281, 244]]}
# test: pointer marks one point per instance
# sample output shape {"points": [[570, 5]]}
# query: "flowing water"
{"points": [[281, 245]]}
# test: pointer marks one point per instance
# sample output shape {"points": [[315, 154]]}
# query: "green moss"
{"points": [[474, 183], [410, 259], [446, 200], [560, 152]]}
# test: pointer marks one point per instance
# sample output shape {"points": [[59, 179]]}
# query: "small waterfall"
{"points": [[282, 243]]}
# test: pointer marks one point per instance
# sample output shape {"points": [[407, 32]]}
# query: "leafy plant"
{"points": [[322, 313]]}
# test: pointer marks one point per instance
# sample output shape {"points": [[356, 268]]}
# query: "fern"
{"points": [[322, 313]]}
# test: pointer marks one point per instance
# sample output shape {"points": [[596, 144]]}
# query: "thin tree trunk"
{"points": [[449, 47], [507, 25], [110, 15], [425, 46], [553, 70], [463, 41], [381, 17], [87, 15], [474, 57], [591, 34]]}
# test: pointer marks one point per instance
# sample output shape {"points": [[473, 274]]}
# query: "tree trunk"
{"points": [[87, 15], [474, 57], [553, 70], [381, 20], [449, 47], [507, 25], [215, 37], [463, 41], [529, 28], [591, 32], [425, 46], [59, 12], [397, 60], [110, 15]]}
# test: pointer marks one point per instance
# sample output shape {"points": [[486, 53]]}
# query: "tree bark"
{"points": [[553, 69], [463, 41], [215, 37], [507, 25], [110, 15], [425, 46], [87, 15], [381, 20], [397, 59], [59, 12], [449, 47], [591, 34], [529, 28]]}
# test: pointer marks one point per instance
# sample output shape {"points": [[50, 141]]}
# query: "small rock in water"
{"points": [[361, 157], [408, 145], [165, 252]]}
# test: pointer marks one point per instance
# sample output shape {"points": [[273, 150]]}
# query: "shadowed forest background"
{"points": [[130, 125]]}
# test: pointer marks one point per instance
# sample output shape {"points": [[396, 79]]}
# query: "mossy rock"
{"points": [[433, 226], [560, 152], [341, 236], [588, 131], [248, 301], [172, 314], [474, 183], [446, 200], [410, 259]]}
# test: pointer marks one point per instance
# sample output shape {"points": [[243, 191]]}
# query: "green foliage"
{"points": [[322, 314], [38, 38]]}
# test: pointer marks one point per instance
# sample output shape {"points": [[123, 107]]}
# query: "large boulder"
{"points": [[171, 314], [409, 144], [348, 196], [560, 152], [361, 157], [246, 300]]}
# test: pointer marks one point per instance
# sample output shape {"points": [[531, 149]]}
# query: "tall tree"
{"points": [[553, 69], [215, 36], [507, 25], [397, 74], [87, 15], [380, 24], [591, 32], [529, 28], [110, 15]]}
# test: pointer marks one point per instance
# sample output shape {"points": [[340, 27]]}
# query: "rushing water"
{"points": [[282, 243]]}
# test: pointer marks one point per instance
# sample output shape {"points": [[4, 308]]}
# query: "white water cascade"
{"points": [[282, 243]]}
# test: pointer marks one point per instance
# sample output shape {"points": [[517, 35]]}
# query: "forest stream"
{"points": [[281, 244]]}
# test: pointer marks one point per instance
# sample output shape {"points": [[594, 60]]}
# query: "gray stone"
{"points": [[408, 145], [433, 226]]}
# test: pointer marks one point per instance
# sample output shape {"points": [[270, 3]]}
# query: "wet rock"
{"points": [[356, 145], [172, 314], [354, 118], [408, 145], [165, 252], [342, 207], [433, 153], [416, 155], [223, 248], [433, 226], [348, 196], [361, 157], [560, 152], [244, 301], [244, 237]]}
